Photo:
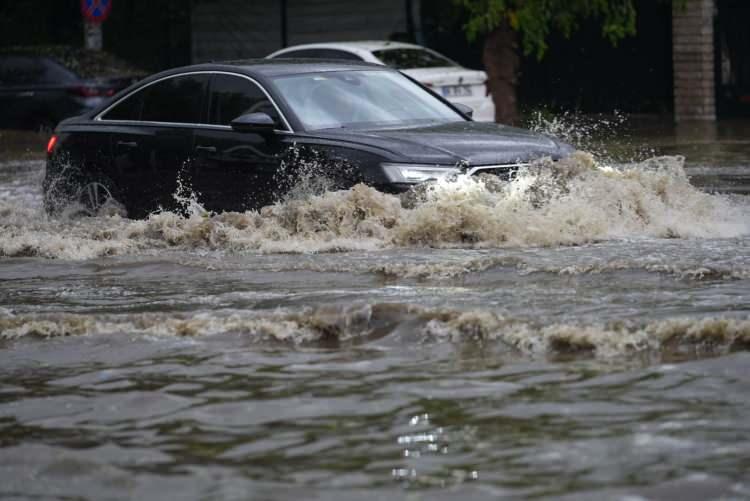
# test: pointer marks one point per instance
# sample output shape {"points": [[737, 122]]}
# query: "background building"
{"points": [[230, 29], [694, 64]]}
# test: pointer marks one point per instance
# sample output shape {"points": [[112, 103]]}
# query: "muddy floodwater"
{"points": [[582, 332]]}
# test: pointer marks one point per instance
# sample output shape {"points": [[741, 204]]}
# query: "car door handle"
{"points": [[206, 149], [25, 94], [127, 144]]}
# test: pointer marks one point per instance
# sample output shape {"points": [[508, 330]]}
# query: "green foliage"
{"points": [[535, 19]]}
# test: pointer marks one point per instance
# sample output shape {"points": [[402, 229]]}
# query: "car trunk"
{"points": [[451, 83]]}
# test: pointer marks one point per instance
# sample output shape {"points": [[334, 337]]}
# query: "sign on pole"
{"points": [[95, 12]]}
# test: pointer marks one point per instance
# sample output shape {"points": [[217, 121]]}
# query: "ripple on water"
{"points": [[211, 360], [409, 324]]}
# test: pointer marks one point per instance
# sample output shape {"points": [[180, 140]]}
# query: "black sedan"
{"points": [[240, 134]]}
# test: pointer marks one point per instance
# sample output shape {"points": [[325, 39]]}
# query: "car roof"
{"points": [[368, 45], [279, 67]]}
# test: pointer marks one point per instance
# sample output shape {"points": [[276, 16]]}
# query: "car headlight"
{"points": [[413, 173]]}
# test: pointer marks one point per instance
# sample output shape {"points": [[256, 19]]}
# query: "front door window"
{"points": [[233, 96]]}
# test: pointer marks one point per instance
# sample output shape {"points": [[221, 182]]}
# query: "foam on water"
{"points": [[448, 270], [363, 322], [571, 202]]}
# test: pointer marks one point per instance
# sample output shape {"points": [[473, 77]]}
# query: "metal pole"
{"points": [[92, 35]]}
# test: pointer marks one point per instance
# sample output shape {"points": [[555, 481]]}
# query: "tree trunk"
{"points": [[501, 61]]}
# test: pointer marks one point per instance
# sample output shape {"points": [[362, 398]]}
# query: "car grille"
{"points": [[504, 171]]}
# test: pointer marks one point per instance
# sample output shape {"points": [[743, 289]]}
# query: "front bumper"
{"points": [[504, 172]]}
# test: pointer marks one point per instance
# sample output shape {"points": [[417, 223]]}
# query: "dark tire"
{"points": [[79, 197], [98, 197]]}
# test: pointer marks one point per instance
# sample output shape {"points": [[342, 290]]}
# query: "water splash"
{"points": [[582, 131], [605, 136], [571, 202]]}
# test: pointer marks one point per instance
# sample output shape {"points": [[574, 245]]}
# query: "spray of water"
{"points": [[605, 136], [571, 202]]}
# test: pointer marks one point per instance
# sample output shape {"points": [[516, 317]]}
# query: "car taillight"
{"points": [[51, 144], [85, 91]]}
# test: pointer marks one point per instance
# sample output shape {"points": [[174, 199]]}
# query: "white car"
{"points": [[442, 75]]}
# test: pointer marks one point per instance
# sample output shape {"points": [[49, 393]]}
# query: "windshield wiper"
{"points": [[334, 128]]}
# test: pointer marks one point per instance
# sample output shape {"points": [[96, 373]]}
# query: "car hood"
{"points": [[474, 143]]}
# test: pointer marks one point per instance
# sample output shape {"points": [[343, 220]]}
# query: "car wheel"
{"points": [[96, 199]]}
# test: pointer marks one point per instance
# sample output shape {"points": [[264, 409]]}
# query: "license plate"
{"points": [[456, 90]]}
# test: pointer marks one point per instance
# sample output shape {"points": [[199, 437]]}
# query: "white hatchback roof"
{"points": [[369, 45], [363, 48]]}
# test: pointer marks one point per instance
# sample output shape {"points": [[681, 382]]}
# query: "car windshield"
{"points": [[361, 99], [409, 59]]}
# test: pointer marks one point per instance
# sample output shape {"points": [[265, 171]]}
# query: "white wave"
{"points": [[361, 322], [571, 202]]}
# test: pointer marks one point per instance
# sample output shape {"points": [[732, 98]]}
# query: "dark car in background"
{"points": [[237, 132], [40, 86]]}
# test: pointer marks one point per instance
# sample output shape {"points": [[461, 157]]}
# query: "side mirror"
{"points": [[259, 123], [466, 110]]}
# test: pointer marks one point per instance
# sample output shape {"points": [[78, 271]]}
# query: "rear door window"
{"points": [[174, 100], [128, 109], [405, 59], [233, 96]]}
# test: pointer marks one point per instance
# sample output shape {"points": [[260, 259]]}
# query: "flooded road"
{"points": [[580, 333]]}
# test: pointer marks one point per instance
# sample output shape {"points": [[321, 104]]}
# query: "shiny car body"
{"points": [[430, 68], [240, 133]]}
